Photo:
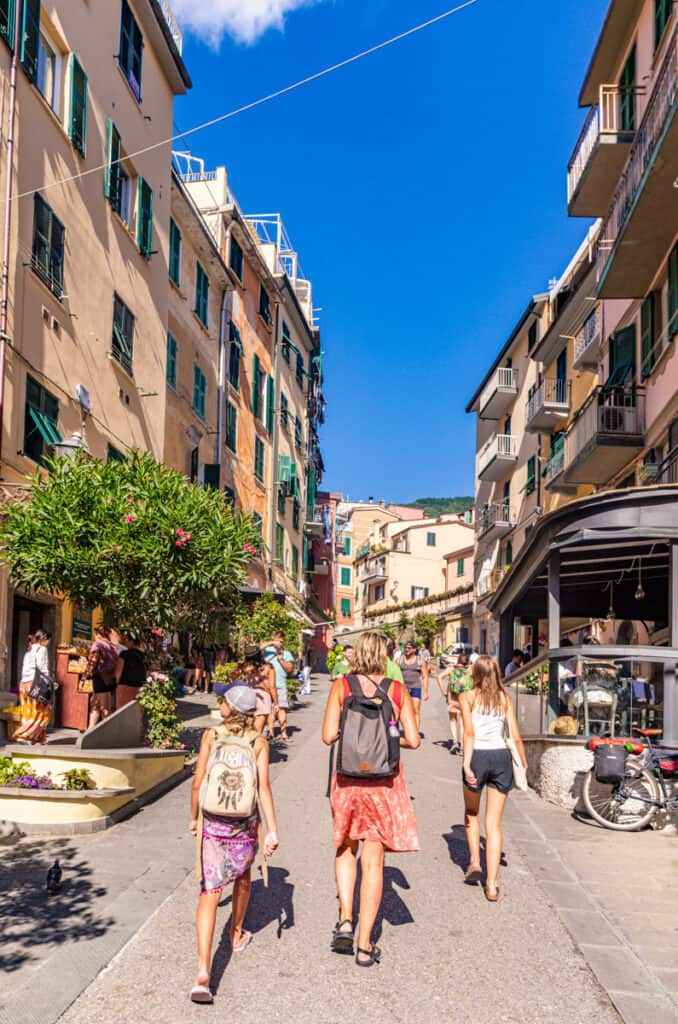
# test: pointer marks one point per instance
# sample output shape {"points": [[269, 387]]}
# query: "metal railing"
{"points": [[376, 572], [500, 446], [171, 21], [603, 119], [493, 513], [659, 107], [608, 410], [667, 472], [555, 391], [504, 378], [555, 465], [589, 333]]}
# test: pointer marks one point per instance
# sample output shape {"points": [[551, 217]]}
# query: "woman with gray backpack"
{"points": [[230, 785], [368, 793]]}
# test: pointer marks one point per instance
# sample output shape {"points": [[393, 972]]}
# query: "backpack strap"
{"points": [[352, 687]]}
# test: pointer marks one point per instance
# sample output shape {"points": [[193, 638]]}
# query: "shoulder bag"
{"points": [[519, 773]]}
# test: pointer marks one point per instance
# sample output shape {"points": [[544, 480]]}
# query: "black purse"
{"points": [[41, 689]]}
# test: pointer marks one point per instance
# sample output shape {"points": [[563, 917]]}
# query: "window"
{"points": [[627, 91], [78, 125], [229, 496], [145, 218], [345, 576], [258, 522], [507, 426], [508, 553], [48, 246], [430, 540], [259, 459], [7, 22], [468, 516], [199, 389], [279, 544], [114, 454], [460, 567], [347, 545], [296, 509], [281, 501], [300, 370], [131, 49], [284, 411], [112, 189], [30, 37], [270, 404], [346, 607], [295, 562], [175, 253], [124, 196], [40, 421], [379, 592], [298, 435], [264, 305], [533, 335], [235, 258], [193, 463], [257, 388], [231, 427], [171, 360], [647, 355], [286, 341], [673, 293], [122, 346], [561, 372], [47, 73], [418, 593], [662, 13], [201, 294], [531, 483]]}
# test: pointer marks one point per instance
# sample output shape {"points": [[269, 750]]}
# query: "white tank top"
{"points": [[489, 728]]}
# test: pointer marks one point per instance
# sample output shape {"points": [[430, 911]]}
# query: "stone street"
{"points": [[565, 943]]}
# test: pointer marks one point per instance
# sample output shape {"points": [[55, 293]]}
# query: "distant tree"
{"points": [[433, 507], [403, 624], [425, 628], [388, 631], [264, 618]]}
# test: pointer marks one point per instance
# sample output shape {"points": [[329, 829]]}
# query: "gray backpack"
{"points": [[369, 739]]}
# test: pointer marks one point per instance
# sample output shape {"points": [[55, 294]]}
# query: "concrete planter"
{"points": [[556, 768]]}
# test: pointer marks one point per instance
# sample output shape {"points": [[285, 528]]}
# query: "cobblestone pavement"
{"points": [[448, 954]]}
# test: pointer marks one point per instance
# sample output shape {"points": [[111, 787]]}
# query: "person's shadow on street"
{"points": [[457, 848], [392, 908], [274, 903]]}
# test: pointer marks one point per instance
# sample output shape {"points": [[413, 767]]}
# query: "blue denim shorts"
{"points": [[415, 691]]}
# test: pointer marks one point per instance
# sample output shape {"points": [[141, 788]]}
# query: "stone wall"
{"points": [[556, 769]]}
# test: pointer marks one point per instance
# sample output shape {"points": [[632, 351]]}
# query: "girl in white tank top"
{"points": [[489, 728]]}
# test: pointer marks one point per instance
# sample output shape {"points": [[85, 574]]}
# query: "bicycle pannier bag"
{"points": [[608, 763], [369, 741]]}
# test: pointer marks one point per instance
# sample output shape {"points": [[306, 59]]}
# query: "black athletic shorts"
{"points": [[492, 768]]}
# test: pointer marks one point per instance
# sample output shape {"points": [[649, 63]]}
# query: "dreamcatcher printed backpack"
{"points": [[229, 789]]}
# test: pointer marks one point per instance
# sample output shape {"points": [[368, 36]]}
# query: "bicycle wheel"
{"points": [[624, 807]]}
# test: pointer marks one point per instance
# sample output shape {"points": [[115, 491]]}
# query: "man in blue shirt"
{"points": [[282, 663]]}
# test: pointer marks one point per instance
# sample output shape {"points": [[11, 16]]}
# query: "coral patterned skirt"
{"points": [[375, 809]]}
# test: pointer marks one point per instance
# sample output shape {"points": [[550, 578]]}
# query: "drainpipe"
{"points": [[274, 454], [225, 316], [4, 290]]}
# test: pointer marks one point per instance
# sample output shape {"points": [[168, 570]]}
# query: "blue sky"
{"points": [[424, 188]]}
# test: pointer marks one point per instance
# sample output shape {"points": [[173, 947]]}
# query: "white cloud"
{"points": [[245, 20]]}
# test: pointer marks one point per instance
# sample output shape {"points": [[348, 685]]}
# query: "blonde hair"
{"points": [[488, 683], [369, 655], [237, 723]]}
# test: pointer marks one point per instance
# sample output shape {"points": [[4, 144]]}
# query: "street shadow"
{"points": [[33, 923], [446, 744], [275, 903], [187, 710], [393, 908], [457, 848]]}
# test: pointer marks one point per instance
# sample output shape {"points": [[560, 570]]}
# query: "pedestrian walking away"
{"points": [[231, 782], [458, 681], [415, 674], [283, 662], [488, 715], [369, 798]]}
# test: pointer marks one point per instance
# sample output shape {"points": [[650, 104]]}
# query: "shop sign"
{"points": [[82, 624]]}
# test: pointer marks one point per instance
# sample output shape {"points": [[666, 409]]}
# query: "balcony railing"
{"points": [[502, 448], [548, 402], [601, 437], [659, 108], [603, 119], [374, 574], [171, 22], [498, 392], [667, 471], [587, 341], [496, 514], [555, 466]]}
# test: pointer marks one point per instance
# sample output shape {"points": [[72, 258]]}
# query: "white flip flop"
{"points": [[247, 938], [201, 994]]}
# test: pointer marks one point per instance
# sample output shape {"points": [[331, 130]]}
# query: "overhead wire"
{"points": [[252, 105]]}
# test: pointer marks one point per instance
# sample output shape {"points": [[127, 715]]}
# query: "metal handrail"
{"points": [[586, 335], [603, 119], [494, 512], [556, 390], [667, 471], [503, 377], [500, 444], [608, 410]]}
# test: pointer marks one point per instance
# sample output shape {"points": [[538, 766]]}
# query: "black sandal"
{"points": [[342, 942], [374, 954]]}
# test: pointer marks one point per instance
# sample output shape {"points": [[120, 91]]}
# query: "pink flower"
{"points": [[129, 518], [213, 607], [178, 544], [179, 531], [116, 547], [187, 536]]}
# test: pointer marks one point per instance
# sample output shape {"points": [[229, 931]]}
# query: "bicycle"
{"points": [[630, 804]]}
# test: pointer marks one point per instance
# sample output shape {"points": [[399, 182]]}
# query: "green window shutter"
{"points": [[259, 459], [284, 464], [199, 389], [647, 337], [264, 305], [627, 99], [347, 545], [279, 543], [30, 38], [673, 293], [235, 259], [48, 246], [131, 49], [41, 430], [662, 13], [294, 480], [123, 333], [531, 474], [346, 607], [256, 387], [431, 540], [460, 567], [78, 125], [201, 294], [345, 576], [175, 253], [171, 360], [145, 218], [231, 427], [211, 476], [112, 174], [7, 10], [295, 562], [270, 404]]}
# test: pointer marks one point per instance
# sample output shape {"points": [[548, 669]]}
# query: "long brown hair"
{"points": [[487, 681]]}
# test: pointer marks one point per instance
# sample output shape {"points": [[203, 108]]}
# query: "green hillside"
{"points": [[438, 506]]}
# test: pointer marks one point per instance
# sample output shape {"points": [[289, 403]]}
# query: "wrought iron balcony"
{"points": [[495, 519], [586, 355], [498, 455], [498, 393], [600, 154], [375, 574], [548, 403]]}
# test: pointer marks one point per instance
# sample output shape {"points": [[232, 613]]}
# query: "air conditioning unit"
{"points": [[83, 399]]}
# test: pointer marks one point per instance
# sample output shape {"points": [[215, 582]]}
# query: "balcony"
{"points": [[667, 471], [554, 480], [640, 223], [586, 355], [599, 156], [549, 403], [606, 434], [313, 524], [376, 574], [495, 519], [488, 582], [498, 393], [498, 456]]}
